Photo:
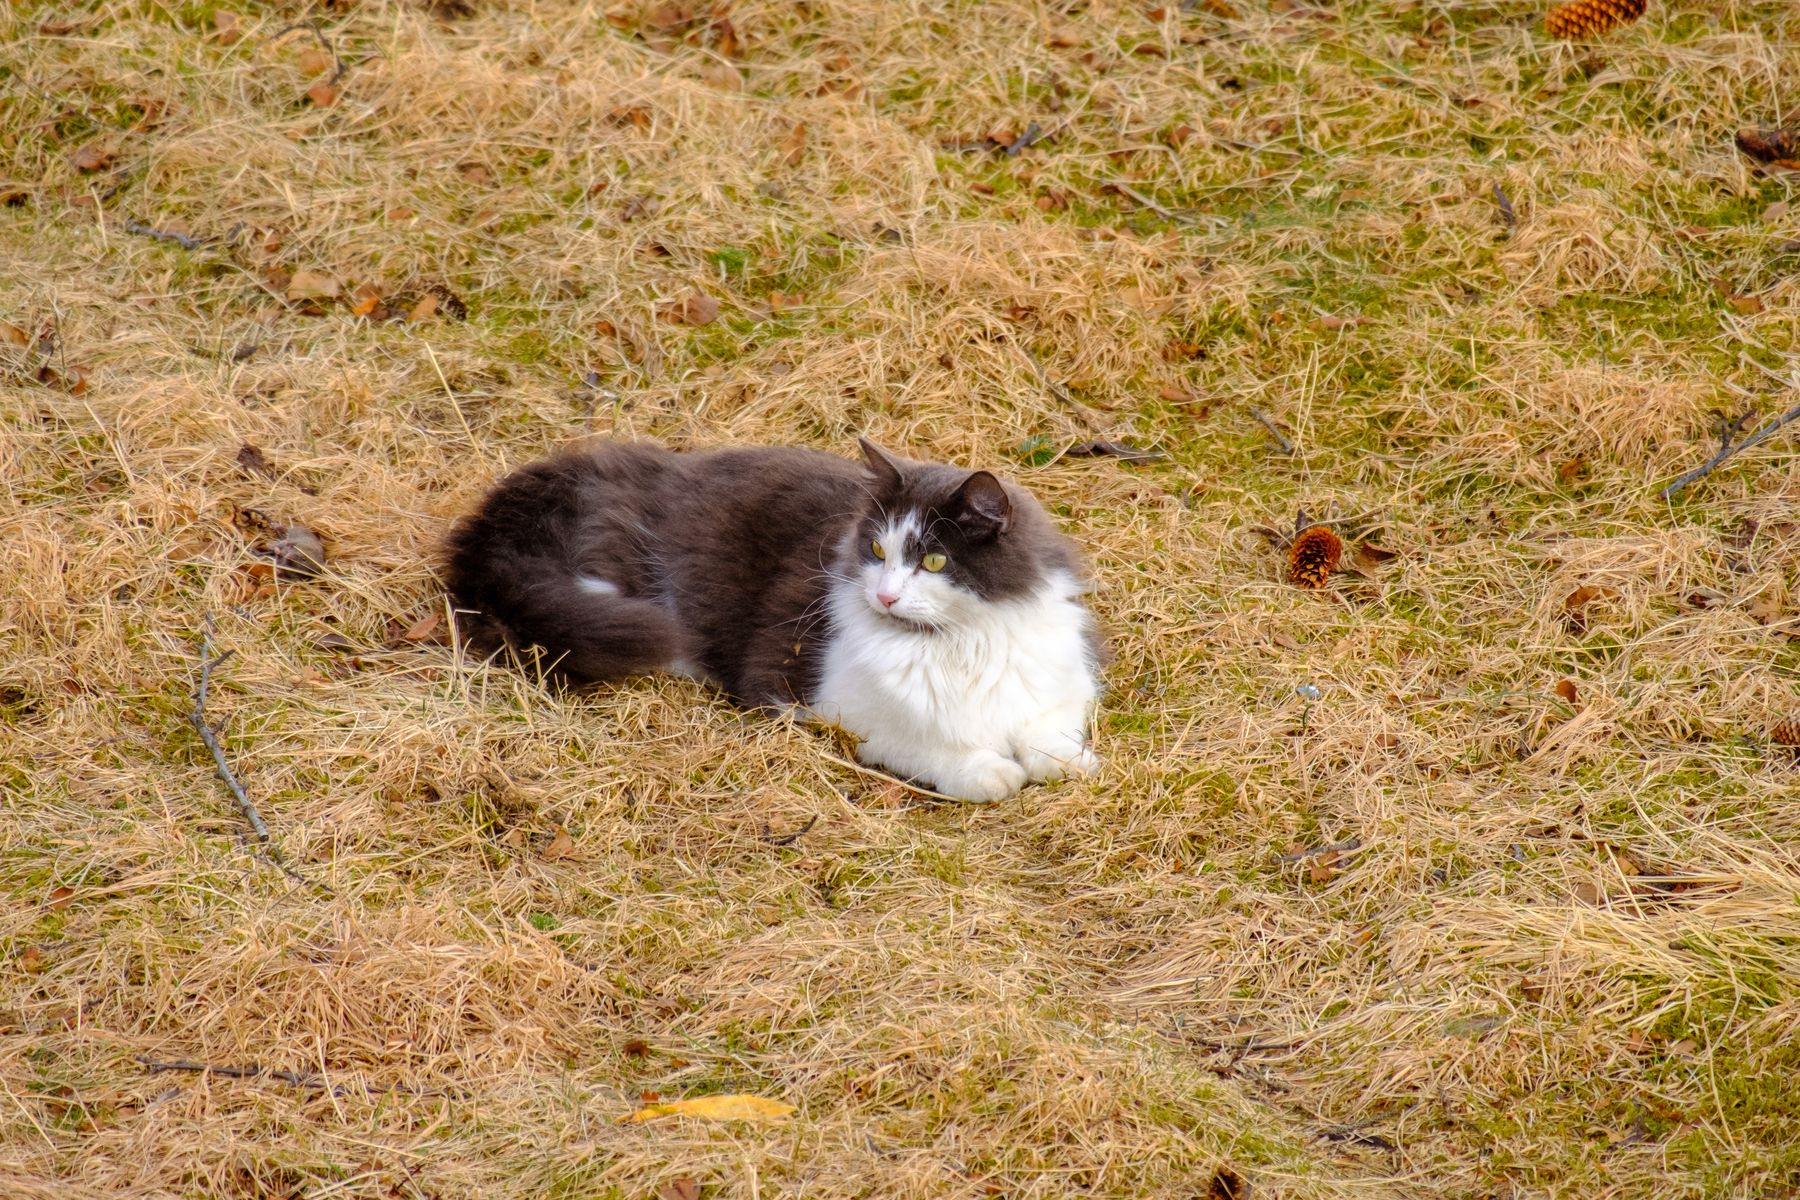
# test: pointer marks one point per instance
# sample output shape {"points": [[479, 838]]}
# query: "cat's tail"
{"points": [[513, 588]]}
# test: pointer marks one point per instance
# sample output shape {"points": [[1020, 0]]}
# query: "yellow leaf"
{"points": [[715, 1108], [312, 285]]}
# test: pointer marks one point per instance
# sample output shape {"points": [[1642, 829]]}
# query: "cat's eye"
{"points": [[879, 552], [933, 562]]}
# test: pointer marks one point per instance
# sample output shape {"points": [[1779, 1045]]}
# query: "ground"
{"points": [[1415, 266]]}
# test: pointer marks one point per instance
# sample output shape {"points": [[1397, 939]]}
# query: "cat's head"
{"points": [[936, 545]]}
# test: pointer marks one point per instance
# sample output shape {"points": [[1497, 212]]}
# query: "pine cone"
{"points": [[1313, 555], [1778, 146], [1590, 18], [1786, 732]]}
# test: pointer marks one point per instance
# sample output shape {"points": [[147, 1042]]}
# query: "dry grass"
{"points": [[1108, 988]]}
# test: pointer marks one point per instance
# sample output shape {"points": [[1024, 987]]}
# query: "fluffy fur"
{"points": [[932, 611]]}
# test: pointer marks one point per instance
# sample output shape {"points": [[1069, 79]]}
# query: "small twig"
{"points": [[1343, 847], [312, 27], [1730, 446], [197, 718], [1125, 189], [788, 839], [1268, 423], [166, 235], [303, 1079], [1033, 133], [1506, 209]]}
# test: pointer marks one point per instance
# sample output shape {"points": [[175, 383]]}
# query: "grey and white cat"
{"points": [[932, 611]]}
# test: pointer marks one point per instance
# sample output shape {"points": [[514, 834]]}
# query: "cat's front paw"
{"points": [[1042, 765], [982, 778]]}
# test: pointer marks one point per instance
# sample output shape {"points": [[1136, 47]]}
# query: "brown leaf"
{"points": [[1567, 692], [254, 462], [1589, 894], [322, 94], [1173, 394], [981, 187], [1328, 322], [13, 335], [635, 1048], [1367, 556], [425, 629], [312, 285], [1227, 1184], [1584, 595], [31, 960], [561, 846], [314, 61], [695, 308], [60, 898], [793, 146], [425, 308], [1063, 39], [682, 1187], [364, 299], [401, 213], [1322, 868], [1569, 471], [226, 30], [95, 155]]}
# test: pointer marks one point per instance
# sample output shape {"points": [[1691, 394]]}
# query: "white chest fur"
{"points": [[976, 708]]}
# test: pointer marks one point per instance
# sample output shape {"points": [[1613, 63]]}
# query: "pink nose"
{"points": [[887, 599]]}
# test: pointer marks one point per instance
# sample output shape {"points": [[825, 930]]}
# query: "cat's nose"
{"points": [[887, 598]]}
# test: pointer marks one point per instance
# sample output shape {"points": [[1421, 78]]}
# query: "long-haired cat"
{"points": [[933, 612]]}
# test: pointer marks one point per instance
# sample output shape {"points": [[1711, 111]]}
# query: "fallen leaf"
{"points": [[13, 335], [1367, 556], [401, 213], [1328, 322], [60, 898], [636, 1048], [1566, 691], [561, 846], [95, 155], [424, 629], [1569, 471], [426, 307], [1473, 1026], [1589, 894], [683, 1187], [322, 94], [1584, 595], [1322, 868], [364, 299], [312, 285], [314, 61], [1171, 394], [1227, 1184], [226, 30], [1776, 212], [1100, 448], [254, 462], [695, 308], [1063, 39], [31, 960], [714, 1108], [793, 146], [1766, 607]]}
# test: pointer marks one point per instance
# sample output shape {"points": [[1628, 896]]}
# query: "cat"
{"points": [[933, 612]]}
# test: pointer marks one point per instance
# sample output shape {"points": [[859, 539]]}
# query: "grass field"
{"points": [[1487, 286]]}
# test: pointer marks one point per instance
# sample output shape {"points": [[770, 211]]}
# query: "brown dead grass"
{"points": [[1559, 958]]}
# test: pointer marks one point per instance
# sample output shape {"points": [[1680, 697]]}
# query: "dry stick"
{"points": [[197, 718], [1729, 429], [1343, 847], [305, 1079], [166, 235], [1268, 423]]}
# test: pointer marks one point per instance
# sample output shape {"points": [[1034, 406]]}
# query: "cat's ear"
{"points": [[983, 508], [882, 467]]}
